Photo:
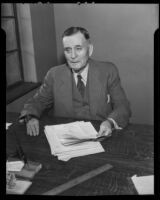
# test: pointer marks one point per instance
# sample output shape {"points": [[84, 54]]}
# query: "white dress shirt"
{"points": [[84, 75]]}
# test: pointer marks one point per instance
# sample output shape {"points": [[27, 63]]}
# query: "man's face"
{"points": [[77, 50]]}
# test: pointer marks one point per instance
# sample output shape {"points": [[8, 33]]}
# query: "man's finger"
{"points": [[32, 127], [104, 131], [107, 133], [101, 131], [35, 129], [29, 130]]}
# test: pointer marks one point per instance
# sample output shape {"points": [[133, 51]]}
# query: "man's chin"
{"points": [[77, 68], [74, 67]]}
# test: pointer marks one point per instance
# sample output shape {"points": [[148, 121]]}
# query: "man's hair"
{"points": [[73, 30]]}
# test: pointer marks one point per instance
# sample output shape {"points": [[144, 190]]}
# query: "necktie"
{"points": [[80, 85]]}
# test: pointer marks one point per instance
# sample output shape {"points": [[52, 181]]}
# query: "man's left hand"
{"points": [[105, 129]]}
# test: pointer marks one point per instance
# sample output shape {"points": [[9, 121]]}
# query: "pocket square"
{"points": [[108, 98]]}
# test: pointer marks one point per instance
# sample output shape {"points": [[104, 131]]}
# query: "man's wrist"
{"points": [[28, 117]]}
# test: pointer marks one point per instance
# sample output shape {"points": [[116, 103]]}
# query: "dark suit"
{"points": [[103, 80]]}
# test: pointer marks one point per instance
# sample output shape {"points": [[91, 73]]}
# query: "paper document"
{"points": [[144, 184], [14, 165], [58, 135], [7, 125], [20, 187]]}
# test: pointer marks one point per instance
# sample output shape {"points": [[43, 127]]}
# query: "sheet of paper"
{"points": [[14, 165], [7, 125], [80, 152], [57, 134], [144, 184], [20, 188]]}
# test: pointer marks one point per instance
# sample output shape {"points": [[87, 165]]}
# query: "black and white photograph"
{"points": [[80, 98]]}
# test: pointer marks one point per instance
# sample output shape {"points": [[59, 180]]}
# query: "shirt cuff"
{"points": [[26, 118], [115, 124]]}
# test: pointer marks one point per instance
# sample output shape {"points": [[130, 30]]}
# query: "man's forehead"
{"points": [[77, 38]]}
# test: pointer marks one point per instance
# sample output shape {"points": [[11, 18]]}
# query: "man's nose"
{"points": [[73, 54]]}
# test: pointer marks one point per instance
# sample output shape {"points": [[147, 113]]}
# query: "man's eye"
{"points": [[79, 48], [67, 50]]}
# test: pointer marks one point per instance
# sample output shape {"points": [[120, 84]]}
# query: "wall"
{"points": [[26, 41], [43, 30], [123, 34], [38, 43], [38, 40]]}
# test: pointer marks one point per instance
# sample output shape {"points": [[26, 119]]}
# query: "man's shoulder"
{"points": [[104, 65], [57, 69]]}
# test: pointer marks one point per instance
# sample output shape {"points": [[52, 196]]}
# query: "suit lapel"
{"points": [[65, 88], [94, 87]]}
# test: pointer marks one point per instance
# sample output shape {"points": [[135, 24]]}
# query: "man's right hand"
{"points": [[33, 127]]}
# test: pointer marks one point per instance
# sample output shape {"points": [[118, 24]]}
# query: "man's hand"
{"points": [[33, 127], [105, 129]]}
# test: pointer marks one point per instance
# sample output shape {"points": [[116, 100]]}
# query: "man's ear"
{"points": [[90, 49]]}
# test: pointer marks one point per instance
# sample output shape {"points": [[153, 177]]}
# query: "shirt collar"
{"points": [[84, 74]]}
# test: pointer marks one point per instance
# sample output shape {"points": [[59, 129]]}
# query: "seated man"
{"points": [[81, 88]]}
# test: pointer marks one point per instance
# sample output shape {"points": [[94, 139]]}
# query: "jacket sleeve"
{"points": [[121, 107], [42, 99]]}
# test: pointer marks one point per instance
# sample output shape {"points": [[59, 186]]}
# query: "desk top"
{"points": [[129, 151]]}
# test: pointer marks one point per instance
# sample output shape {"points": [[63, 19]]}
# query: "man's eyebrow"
{"points": [[79, 45], [75, 46], [67, 47]]}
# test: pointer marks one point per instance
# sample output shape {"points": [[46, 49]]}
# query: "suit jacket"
{"points": [[106, 96]]}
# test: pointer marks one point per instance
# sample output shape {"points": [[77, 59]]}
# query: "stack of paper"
{"points": [[20, 187], [14, 165], [58, 135]]}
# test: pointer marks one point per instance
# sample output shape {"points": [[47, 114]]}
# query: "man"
{"points": [[82, 88]]}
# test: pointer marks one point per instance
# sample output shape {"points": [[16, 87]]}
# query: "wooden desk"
{"points": [[130, 151]]}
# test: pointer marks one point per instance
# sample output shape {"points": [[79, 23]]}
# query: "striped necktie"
{"points": [[80, 85]]}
